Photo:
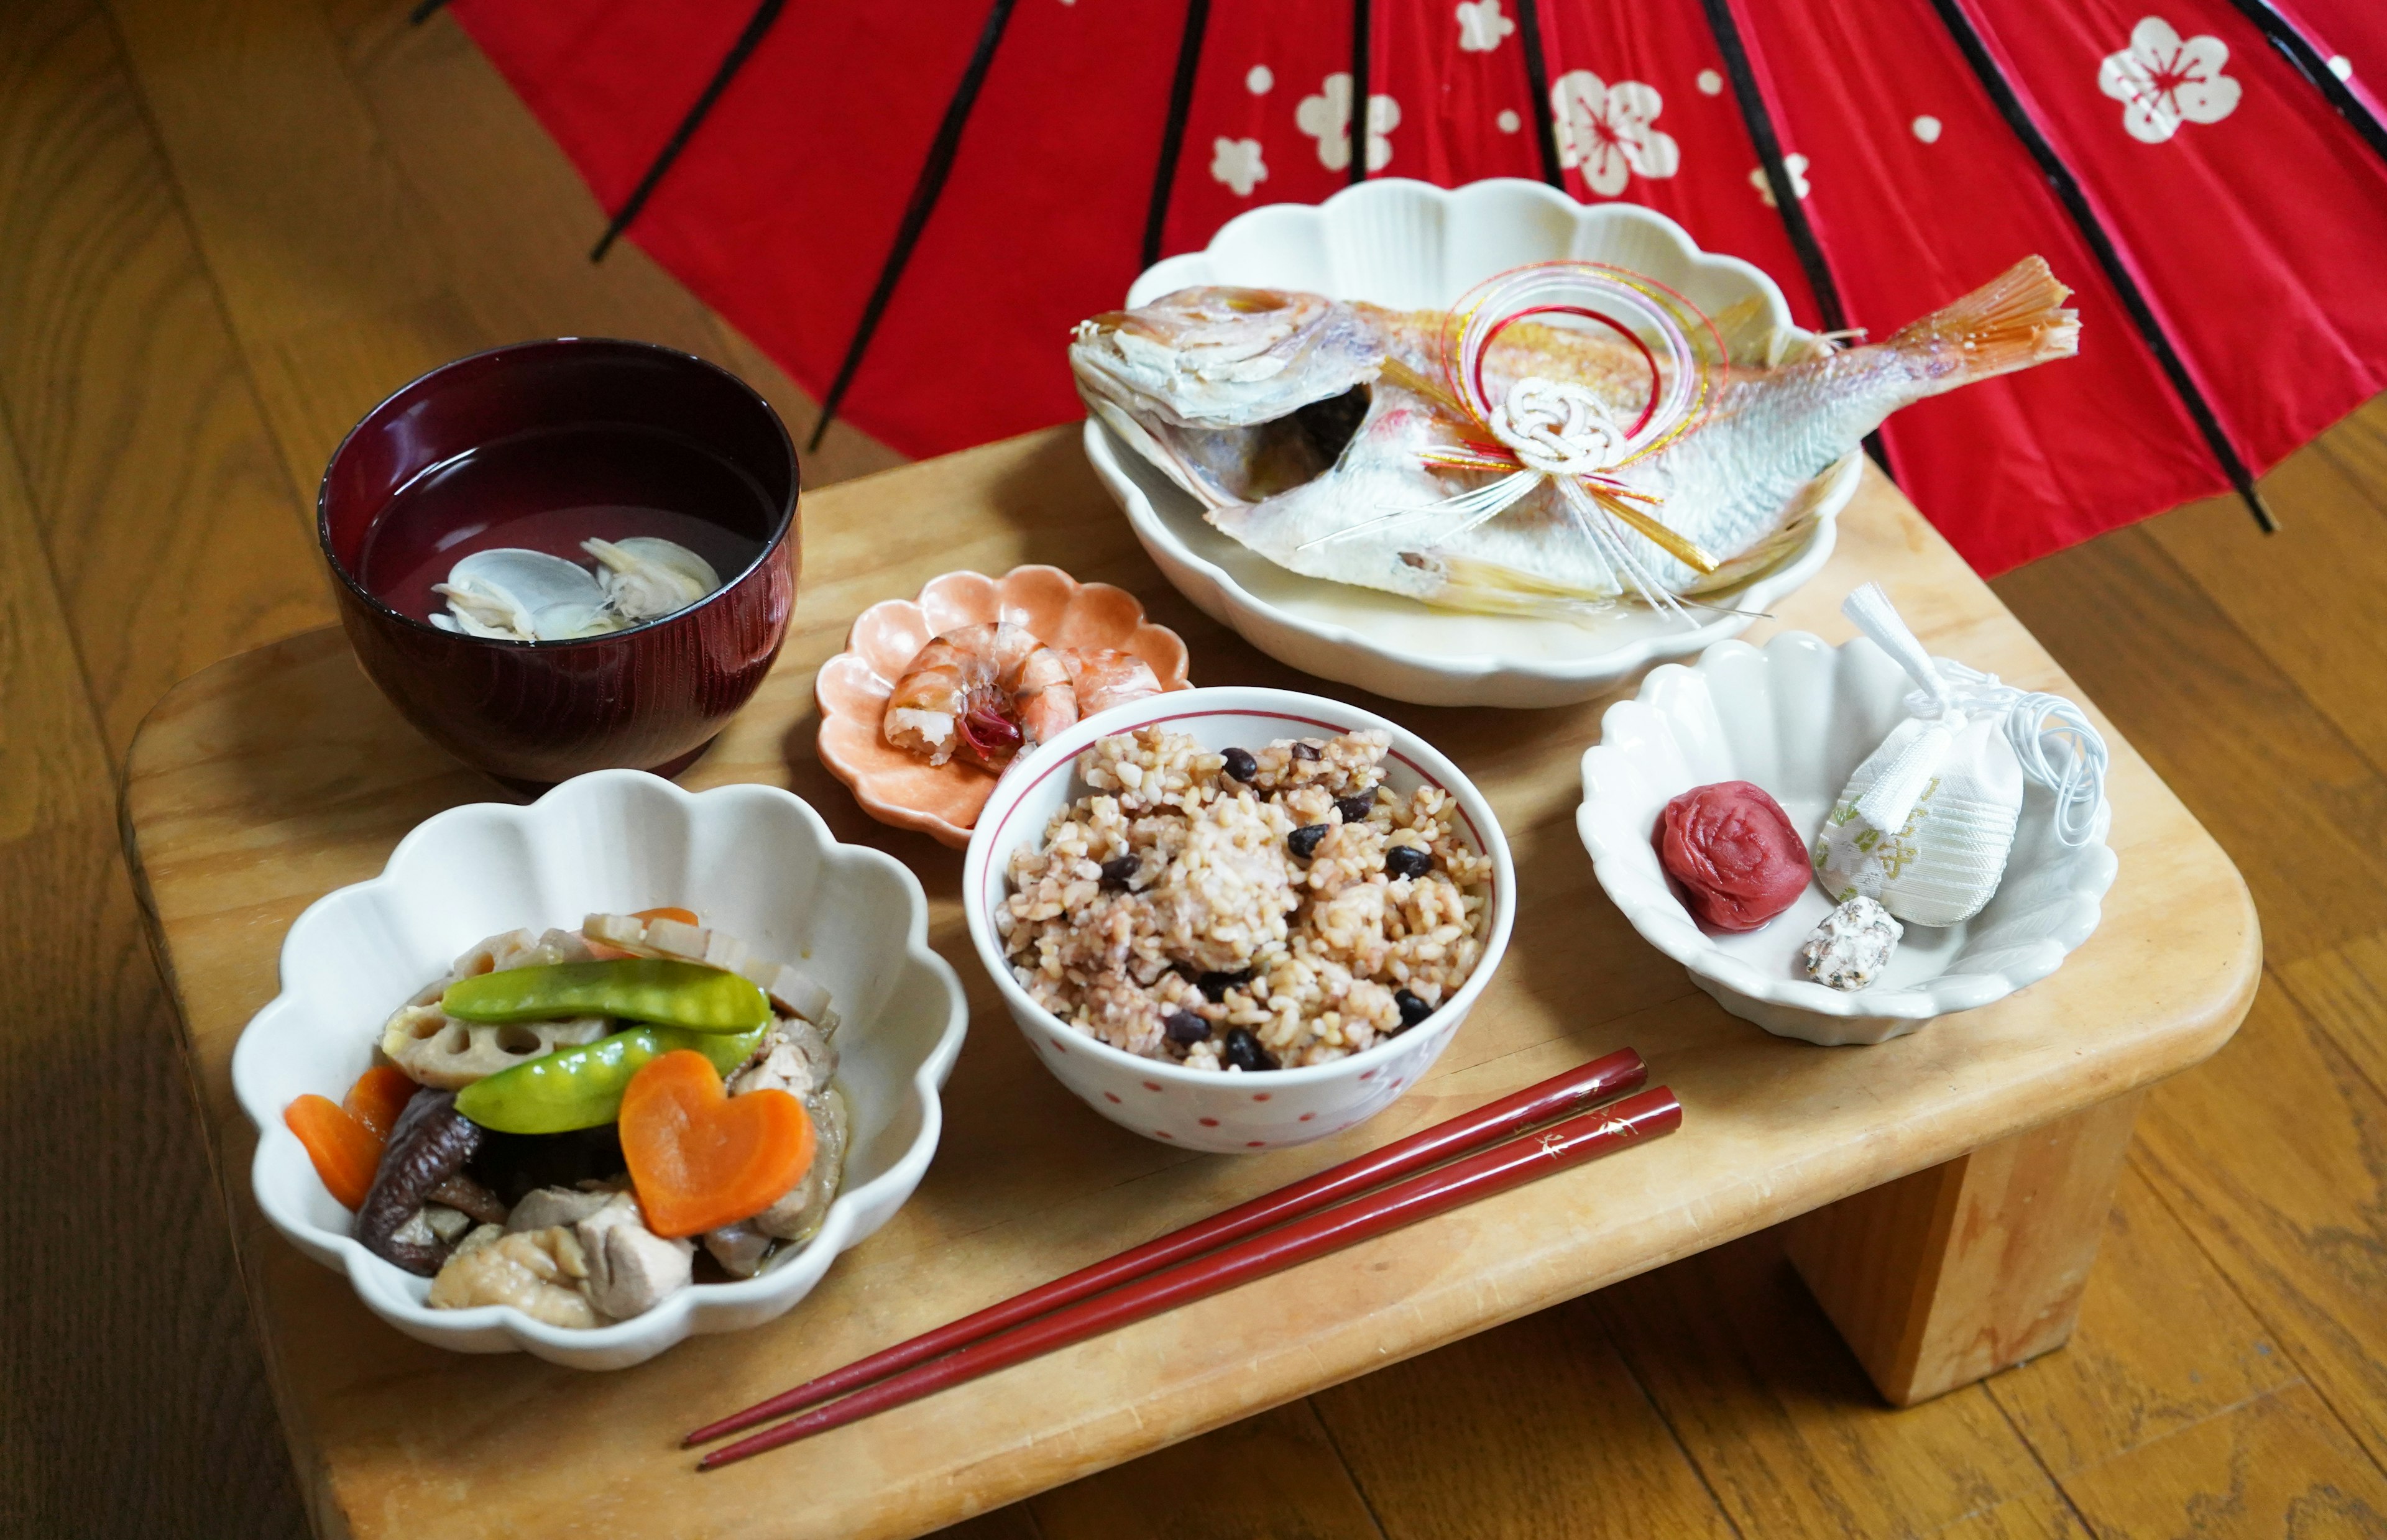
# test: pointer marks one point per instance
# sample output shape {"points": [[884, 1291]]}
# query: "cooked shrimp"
{"points": [[1106, 677], [985, 692]]}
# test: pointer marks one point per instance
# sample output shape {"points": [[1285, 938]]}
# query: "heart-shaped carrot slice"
{"points": [[701, 1159]]}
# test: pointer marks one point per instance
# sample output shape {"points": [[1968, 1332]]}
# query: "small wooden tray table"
{"points": [[1953, 1183]]}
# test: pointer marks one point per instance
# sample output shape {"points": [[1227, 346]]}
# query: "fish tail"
{"points": [[2013, 322]]}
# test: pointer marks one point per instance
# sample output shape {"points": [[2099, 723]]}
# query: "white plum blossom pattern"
{"points": [[1327, 118], [1794, 164], [1481, 26], [1237, 163], [2164, 81], [1606, 130], [1508, 121], [1926, 127], [1261, 80], [1711, 84]]}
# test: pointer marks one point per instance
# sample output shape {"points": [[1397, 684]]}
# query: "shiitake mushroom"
{"points": [[430, 1143]]}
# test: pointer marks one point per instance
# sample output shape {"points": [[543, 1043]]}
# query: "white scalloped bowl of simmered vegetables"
{"points": [[585, 1076]]}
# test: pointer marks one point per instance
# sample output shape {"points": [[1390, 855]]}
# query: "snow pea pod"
{"points": [[657, 990], [581, 1088]]}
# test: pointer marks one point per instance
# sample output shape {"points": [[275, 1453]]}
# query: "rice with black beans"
{"points": [[1214, 888]]}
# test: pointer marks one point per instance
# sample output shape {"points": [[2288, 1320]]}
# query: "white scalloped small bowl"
{"points": [[1201, 1109], [1412, 244], [1796, 718], [752, 859]]}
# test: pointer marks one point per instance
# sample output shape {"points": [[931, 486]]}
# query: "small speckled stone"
{"points": [[1850, 948]]}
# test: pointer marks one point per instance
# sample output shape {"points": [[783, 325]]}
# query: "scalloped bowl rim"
{"points": [[901, 815], [1668, 927], [1236, 701], [633, 1339], [1110, 458]]}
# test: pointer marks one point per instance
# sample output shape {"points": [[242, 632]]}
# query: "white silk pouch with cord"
{"points": [[1925, 823]]}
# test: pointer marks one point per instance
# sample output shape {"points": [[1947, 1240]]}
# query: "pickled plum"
{"points": [[1731, 849]]}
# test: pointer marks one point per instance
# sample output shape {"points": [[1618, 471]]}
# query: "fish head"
{"points": [[1234, 394], [1224, 358]]}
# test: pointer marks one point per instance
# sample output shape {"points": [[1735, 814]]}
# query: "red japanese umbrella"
{"points": [[908, 206]]}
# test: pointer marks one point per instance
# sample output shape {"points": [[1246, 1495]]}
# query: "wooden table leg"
{"points": [[1940, 1277]]}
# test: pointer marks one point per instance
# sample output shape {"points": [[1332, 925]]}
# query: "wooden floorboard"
{"points": [[228, 226], [173, 533], [134, 1399]]}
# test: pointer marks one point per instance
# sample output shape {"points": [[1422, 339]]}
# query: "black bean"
{"points": [[1240, 765], [1407, 861], [1354, 809], [1184, 1027], [1117, 874], [1216, 985], [1244, 1052], [1413, 1010], [1303, 841], [1304, 750]]}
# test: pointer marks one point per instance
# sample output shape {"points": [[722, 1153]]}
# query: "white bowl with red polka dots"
{"points": [[1230, 1112]]}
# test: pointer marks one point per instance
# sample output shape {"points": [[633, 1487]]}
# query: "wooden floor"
{"points": [[228, 226]]}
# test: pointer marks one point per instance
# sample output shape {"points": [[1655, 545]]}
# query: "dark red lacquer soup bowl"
{"points": [[539, 447]]}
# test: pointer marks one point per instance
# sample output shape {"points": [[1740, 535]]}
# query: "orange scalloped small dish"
{"points": [[897, 788]]}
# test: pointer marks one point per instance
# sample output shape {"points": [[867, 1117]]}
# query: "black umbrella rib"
{"points": [[426, 11], [2109, 256], [757, 27], [1360, 84], [1759, 123], [1537, 86], [2289, 39], [924, 194], [1172, 134], [1786, 202]]}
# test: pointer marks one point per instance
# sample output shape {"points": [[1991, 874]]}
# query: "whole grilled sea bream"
{"points": [[1297, 421]]}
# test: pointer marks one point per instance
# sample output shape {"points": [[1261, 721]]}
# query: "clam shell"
{"points": [[647, 577], [519, 595]]}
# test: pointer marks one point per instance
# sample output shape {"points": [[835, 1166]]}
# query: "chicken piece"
{"points": [[794, 1057], [739, 1248], [537, 1271], [801, 1210], [550, 1206], [631, 1269]]}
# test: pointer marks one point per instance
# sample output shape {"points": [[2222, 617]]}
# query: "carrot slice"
{"points": [[605, 953], [684, 916], [345, 1152], [700, 1158], [379, 1095]]}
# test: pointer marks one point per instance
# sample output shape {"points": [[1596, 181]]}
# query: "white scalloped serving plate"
{"points": [[753, 860], [1412, 244], [1796, 718]]}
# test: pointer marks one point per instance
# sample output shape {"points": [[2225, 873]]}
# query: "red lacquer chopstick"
{"points": [[1642, 1116], [1577, 1088]]}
